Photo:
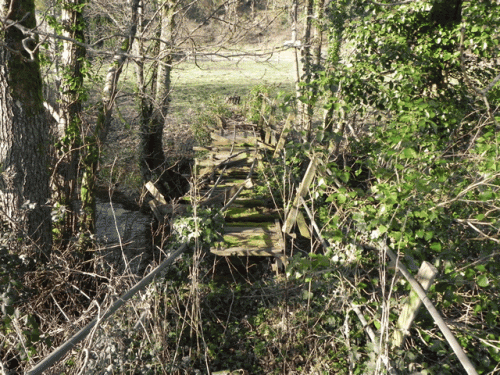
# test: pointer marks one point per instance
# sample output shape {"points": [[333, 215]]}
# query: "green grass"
{"points": [[193, 85]]}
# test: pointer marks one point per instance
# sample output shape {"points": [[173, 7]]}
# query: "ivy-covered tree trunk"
{"points": [[307, 107], [153, 163], [71, 96], [24, 131]]}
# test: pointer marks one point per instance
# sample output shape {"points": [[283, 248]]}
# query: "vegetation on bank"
{"points": [[405, 130]]}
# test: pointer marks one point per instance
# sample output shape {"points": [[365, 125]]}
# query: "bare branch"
{"points": [[481, 93], [394, 4]]}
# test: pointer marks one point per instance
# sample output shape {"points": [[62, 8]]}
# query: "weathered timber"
{"points": [[254, 214], [260, 240], [225, 162], [225, 194], [160, 216], [262, 144], [303, 228], [425, 277], [301, 192], [252, 202], [226, 148], [284, 132], [445, 330], [155, 193], [235, 139]]}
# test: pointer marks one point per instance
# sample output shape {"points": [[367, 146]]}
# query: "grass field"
{"points": [[194, 84], [195, 87]]}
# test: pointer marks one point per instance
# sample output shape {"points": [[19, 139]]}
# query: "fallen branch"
{"points": [[448, 335]]}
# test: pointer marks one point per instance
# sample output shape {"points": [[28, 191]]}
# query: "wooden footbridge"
{"points": [[225, 176]]}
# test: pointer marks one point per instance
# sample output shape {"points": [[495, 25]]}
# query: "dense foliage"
{"points": [[408, 157], [419, 120]]}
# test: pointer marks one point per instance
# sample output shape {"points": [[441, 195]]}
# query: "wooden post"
{"points": [[155, 193], [284, 133], [425, 277], [301, 192], [262, 120], [301, 223]]}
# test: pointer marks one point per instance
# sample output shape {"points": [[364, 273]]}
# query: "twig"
{"points": [[394, 4], [355, 308], [57, 354], [59, 307], [481, 93], [482, 233], [391, 370]]}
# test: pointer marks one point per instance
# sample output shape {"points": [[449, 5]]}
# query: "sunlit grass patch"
{"points": [[194, 84]]}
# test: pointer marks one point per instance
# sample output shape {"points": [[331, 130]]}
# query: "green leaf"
{"points": [[428, 235], [341, 198], [483, 281], [409, 153], [436, 246], [480, 268]]}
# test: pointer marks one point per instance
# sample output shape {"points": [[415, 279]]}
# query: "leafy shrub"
{"points": [[206, 226]]}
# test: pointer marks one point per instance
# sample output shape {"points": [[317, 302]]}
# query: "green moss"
{"points": [[257, 240], [255, 214], [267, 225], [251, 202]]}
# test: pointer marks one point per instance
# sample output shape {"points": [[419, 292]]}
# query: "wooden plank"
{"points": [[438, 319], [220, 163], [252, 214], [246, 252], [231, 138], [282, 259], [160, 216], [235, 154], [303, 228], [226, 148], [224, 195], [425, 277], [262, 144], [284, 133], [291, 216], [155, 193], [249, 241]]}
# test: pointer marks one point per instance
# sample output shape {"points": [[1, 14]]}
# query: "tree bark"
{"points": [[92, 148], [70, 121], [24, 132], [153, 163], [307, 70]]}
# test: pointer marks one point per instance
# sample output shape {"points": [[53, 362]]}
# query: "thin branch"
{"points": [[450, 338], [481, 93], [394, 4]]}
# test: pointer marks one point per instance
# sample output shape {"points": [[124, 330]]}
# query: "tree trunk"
{"points": [[70, 122], [24, 133], [153, 162], [296, 63], [444, 12], [307, 71], [92, 148]]}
